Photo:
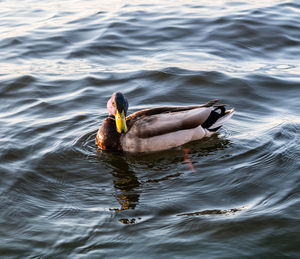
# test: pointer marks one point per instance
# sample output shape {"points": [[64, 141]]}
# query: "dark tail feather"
{"points": [[217, 118]]}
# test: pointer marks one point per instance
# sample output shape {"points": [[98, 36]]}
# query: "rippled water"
{"points": [[61, 61]]}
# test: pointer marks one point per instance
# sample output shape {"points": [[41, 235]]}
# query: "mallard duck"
{"points": [[159, 128]]}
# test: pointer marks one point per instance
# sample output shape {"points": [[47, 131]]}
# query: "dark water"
{"points": [[61, 61]]}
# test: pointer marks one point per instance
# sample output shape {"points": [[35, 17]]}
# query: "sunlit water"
{"points": [[61, 61]]}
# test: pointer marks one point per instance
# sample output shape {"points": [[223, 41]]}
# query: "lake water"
{"points": [[61, 61]]}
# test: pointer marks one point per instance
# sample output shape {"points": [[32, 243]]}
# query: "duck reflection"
{"points": [[125, 181], [127, 185]]}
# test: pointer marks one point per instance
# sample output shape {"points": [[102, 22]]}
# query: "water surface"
{"points": [[61, 61]]}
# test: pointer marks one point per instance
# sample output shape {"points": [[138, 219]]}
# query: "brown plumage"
{"points": [[107, 137]]}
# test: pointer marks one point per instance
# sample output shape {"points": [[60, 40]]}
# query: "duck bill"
{"points": [[121, 122]]}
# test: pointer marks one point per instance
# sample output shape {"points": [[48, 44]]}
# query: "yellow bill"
{"points": [[121, 122]]}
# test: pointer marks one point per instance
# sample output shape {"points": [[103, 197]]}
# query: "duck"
{"points": [[160, 128]]}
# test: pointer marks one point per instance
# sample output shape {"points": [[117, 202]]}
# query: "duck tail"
{"points": [[217, 118]]}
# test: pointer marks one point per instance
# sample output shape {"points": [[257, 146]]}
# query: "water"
{"points": [[62, 60]]}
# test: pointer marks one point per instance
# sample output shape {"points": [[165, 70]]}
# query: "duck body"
{"points": [[160, 128]]}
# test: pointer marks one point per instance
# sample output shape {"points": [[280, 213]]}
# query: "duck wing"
{"points": [[167, 109], [162, 120], [164, 123]]}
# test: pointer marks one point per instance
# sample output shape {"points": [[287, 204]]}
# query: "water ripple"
{"points": [[61, 61]]}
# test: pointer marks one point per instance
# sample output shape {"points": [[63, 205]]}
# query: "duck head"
{"points": [[117, 106]]}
